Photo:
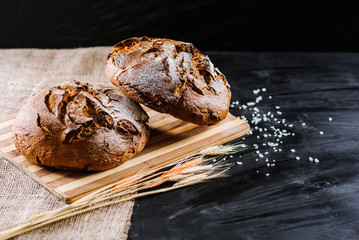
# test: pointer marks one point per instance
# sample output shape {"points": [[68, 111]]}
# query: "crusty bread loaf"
{"points": [[170, 77], [80, 126]]}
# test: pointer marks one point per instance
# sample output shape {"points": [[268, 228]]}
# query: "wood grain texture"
{"points": [[171, 139]]}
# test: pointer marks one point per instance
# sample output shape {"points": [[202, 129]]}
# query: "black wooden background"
{"points": [[318, 96], [215, 25]]}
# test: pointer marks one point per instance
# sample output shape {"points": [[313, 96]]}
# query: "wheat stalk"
{"points": [[194, 169]]}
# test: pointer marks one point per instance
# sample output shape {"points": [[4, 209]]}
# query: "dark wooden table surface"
{"points": [[298, 179]]}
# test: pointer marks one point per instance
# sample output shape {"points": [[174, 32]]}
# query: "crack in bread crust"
{"points": [[42, 126]]}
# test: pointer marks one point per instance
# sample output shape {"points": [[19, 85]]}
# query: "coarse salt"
{"points": [[258, 99], [256, 91]]}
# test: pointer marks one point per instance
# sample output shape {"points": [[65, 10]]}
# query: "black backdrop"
{"points": [[247, 25]]}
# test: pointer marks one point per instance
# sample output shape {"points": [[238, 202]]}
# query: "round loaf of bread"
{"points": [[80, 126], [170, 77]]}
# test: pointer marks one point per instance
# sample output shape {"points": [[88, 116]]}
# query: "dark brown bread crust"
{"points": [[78, 126], [170, 77]]}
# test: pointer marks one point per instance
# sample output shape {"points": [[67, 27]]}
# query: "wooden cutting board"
{"points": [[171, 139]]}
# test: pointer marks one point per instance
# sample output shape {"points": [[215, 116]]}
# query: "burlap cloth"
{"points": [[22, 73]]}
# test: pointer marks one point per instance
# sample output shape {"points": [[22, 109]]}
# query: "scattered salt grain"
{"points": [[256, 91], [311, 159], [269, 97], [330, 119], [256, 120], [292, 150], [258, 99], [267, 174], [264, 89], [244, 119], [321, 132], [297, 157], [239, 163], [251, 103], [316, 160], [277, 107]]}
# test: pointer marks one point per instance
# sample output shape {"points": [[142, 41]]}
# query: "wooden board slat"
{"points": [[171, 139]]}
